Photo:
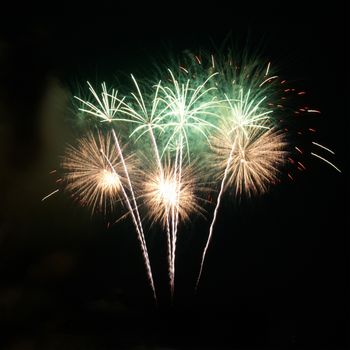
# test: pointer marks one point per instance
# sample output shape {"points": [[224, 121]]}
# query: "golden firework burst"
{"points": [[253, 158], [94, 173], [164, 193]]}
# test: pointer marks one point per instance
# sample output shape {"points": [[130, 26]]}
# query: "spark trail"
{"points": [[218, 202], [107, 108]]}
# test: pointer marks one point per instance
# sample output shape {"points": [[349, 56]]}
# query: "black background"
{"points": [[276, 270]]}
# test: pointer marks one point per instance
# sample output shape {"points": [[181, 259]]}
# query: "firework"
{"points": [[94, 173], [255, 157], [170, 201], [188, 106], [146, 116], [187, 111], [175, 110], [234, 116], [108, 109], [247, 151], [249, 163], [107, 105], [145, 113], [245, 112], [162, 193]]}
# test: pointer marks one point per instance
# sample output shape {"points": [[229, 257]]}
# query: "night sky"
{"points": [[277, 268]]}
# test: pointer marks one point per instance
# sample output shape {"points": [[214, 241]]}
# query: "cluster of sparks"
{"points": [[233, 118], [94, 172]]}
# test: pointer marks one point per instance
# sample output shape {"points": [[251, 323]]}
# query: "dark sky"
{"points": [[277, 268]]}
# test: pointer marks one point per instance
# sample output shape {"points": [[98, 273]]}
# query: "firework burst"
{"points": [[188, 107], [163, 193], [106, 106], [94, 173], [255, 158], [144, 112], [245, 111]]}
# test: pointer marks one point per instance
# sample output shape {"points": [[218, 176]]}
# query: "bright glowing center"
{"points": [[167, 190], [238, 117], [109, 180]]}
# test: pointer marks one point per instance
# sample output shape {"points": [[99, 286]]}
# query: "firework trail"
{"points": [[140, 229], [247, 152], [251, 146], [108, 106], [252, 164], [163, 197], [214, 216], [49, 195], [176, 109], [147, 118], [188, 104]]}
